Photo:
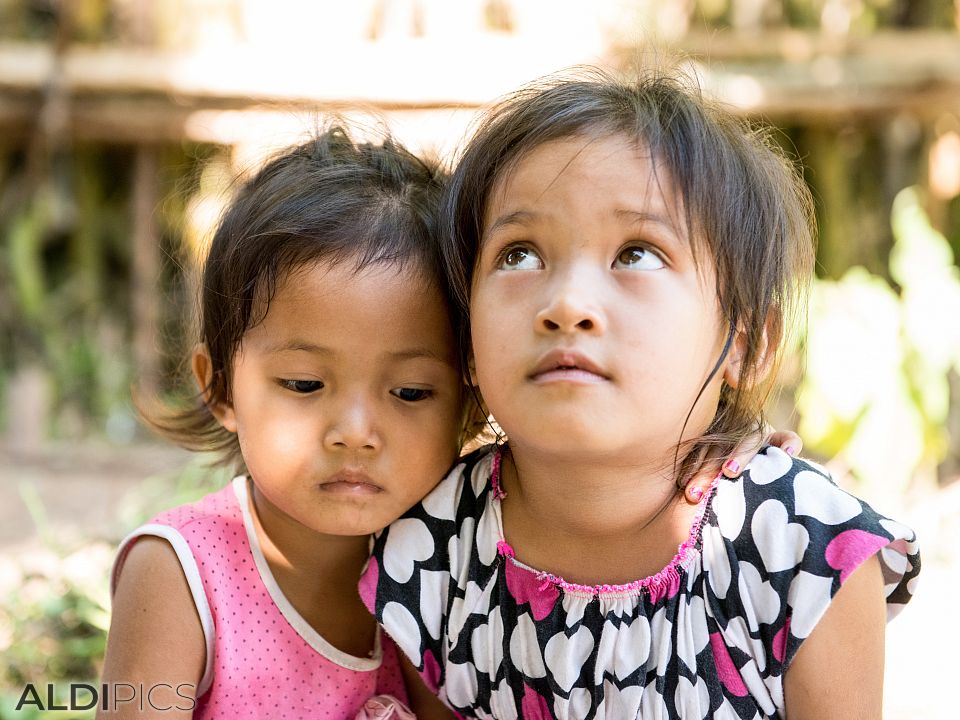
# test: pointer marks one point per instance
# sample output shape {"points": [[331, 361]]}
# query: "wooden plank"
{"points": [[130, 95], [915, 47], [402, 73], [789, 74]]}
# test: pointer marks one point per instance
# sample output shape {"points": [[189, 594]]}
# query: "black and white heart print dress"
{"points": [[710, 636]]}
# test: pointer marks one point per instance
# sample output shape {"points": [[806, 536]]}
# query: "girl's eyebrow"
{"points": [[636, 217], [517, 217], [298, 345], [417, 353]]}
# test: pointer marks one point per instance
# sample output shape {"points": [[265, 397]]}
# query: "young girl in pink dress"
{"points": [[328, 372], [626, 258]]}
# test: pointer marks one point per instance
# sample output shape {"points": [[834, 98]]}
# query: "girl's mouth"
{"points": [[567, 365], [351, 483]]}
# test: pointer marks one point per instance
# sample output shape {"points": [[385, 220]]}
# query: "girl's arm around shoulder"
{"points": [[838, 670], [156, 640]]}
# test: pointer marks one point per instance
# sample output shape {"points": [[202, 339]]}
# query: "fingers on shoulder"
{"points": [[786, 440]]}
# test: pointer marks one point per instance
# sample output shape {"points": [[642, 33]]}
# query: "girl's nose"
{"points": [[571, 307], [352, 427]]}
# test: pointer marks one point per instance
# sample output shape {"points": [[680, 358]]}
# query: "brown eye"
{"points": [[302, 387], [410, 394], [519, 257], [635, 257]]}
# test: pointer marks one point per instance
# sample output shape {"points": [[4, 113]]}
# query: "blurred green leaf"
{"points": [[878, 358]]}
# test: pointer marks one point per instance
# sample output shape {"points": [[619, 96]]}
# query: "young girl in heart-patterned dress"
{"points": [[627, 258]]}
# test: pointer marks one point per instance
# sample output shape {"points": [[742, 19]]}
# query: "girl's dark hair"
{"points": [[744, 204], [330, 199]]}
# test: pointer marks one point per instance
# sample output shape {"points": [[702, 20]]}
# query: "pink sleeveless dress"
{"points": [[263, 658]]}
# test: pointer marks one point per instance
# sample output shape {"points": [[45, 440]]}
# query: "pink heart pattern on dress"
{"points": [[726, 670], [368, 584], [431, 671], [848, 550], [780, 641], [534, 706], [526, 587], [766, 561]]}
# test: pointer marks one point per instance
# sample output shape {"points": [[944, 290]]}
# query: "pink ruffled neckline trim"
{"points": [[663, 583]]}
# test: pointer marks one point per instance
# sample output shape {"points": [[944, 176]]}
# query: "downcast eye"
{"points": [[409, 394], [302, 386]]}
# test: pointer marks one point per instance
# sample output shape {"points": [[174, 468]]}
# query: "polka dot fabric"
{"points": [[262, 665], [709, 637]]}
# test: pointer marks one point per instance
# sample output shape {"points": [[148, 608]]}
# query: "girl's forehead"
{"points": [[378, 280], [586, 161], [372, 310], [343, 287]]}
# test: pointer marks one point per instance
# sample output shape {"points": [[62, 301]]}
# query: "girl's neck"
{"points": [[587, 498], [318, 574], [592, 523]]}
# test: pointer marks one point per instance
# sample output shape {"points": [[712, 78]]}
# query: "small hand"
{"points": [[786, 440], [384, 707]]}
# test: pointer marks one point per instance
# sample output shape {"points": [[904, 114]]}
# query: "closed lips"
{"points": [[350, 479], [568, 362]]}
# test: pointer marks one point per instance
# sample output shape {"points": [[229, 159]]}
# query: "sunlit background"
{"points": [[122, 123]]}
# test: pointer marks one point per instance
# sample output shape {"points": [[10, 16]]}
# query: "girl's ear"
{"points": [[763, 358], [202, 365]]}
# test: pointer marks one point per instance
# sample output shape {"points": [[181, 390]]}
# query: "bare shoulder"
{"points": [[155, 631], [819, 682]]}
